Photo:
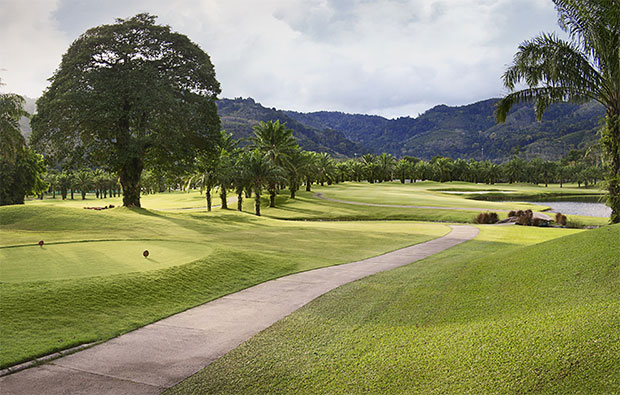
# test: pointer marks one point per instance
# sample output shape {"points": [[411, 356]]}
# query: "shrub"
{"points": [[486, 218], [560, 219], [512, 213], [524, 217]]}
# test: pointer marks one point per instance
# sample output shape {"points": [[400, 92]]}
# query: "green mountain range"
{"points": [[468, 131]]}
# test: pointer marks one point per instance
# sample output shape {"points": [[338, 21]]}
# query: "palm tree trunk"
{"points": [[611, 142], [257, 203], [272, 195], [240, 201], [223, 198]]}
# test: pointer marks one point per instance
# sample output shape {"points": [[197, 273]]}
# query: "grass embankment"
{"points": [[488, 316], [78, 288], [426, 194]]}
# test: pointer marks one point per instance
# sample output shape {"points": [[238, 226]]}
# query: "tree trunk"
{"points": [[208, 197], [272, 197], [223, 198], [611, 142], [71, 193], [293, 193], [240, 201], [130, 181], [83, 194], [308, 184], [257, 203]]}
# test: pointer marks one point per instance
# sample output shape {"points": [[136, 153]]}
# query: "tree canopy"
{"points": [[127, 96], [583, 69], [21, 169]]}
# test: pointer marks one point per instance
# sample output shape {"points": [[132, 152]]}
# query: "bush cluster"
{"points": [[560, 219], [486, 218]]}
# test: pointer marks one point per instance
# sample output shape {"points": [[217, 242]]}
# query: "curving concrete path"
{"points": [[159, 355]]}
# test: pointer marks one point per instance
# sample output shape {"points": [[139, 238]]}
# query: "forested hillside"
{"points": [[469, 131], [240, 115], [458, 132]]}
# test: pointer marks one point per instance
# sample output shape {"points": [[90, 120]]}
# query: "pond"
{"points": [[578, 208]]}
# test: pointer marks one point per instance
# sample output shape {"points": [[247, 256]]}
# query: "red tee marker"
{"points": [[146, 253], [41, 243]]}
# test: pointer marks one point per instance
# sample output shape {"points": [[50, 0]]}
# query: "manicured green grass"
{"points": [[95, 258], [309, 207], [164, 200], [499, 314], [90, 281]]}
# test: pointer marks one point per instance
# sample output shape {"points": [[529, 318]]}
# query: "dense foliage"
{"points": [[587, 68], [21, 169], [129, 96]]}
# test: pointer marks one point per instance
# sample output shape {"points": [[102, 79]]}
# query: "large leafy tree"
{"points": [[583, 69], [127, 96]]}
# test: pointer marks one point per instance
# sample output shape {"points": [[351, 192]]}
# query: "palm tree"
{"points": [[228, 152], [11, 139], [206, 177], [325, 168], [386, 166], [515, 169], [311, 168], [224, 176], [277, 143], [370, 167], [83, 181], [52, 178], [403, 170], [296, 169], [240, 179], [584, 69], [443, 168], [262, 172]]}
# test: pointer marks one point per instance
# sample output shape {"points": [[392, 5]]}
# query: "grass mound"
{"points": [[488, 316], [90, 281]]}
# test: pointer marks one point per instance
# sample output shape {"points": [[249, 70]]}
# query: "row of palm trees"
{"points": [[67, 182], [274, 161]]}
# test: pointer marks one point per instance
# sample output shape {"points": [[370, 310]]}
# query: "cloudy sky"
{"points": [[387, 57]]}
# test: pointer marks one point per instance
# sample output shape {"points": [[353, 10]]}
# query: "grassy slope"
{"points": [[236, 251], [307, 207], [488, 316]]}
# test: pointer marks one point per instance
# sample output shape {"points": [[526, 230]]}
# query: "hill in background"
{"points": [[240, 115], [469, 131]]}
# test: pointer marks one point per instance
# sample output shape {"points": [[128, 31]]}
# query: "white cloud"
{"points": [[390, 57], [31, 46]]}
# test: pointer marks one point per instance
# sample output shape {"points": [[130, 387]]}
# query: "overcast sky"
{"points": [[387, 57]]}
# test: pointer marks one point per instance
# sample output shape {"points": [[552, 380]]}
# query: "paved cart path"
{"points": [[159, 355]]}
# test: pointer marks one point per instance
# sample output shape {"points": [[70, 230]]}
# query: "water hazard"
{"points": [[578, 208]]}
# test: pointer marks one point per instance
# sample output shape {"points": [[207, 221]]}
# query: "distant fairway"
{"points": [[96, 258]]}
